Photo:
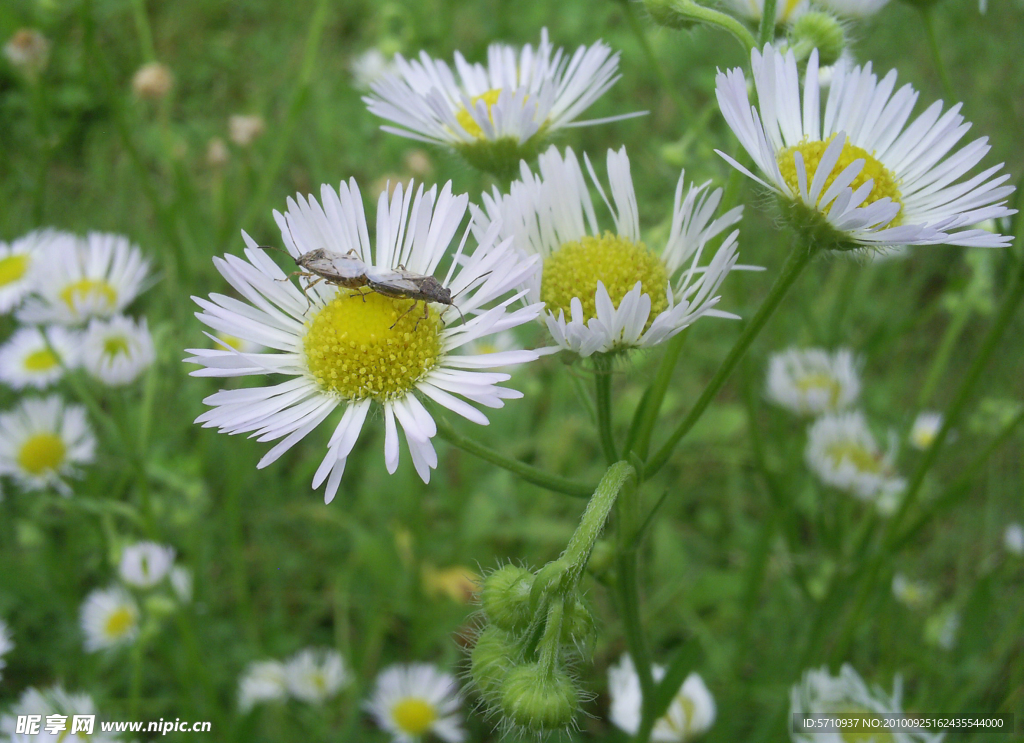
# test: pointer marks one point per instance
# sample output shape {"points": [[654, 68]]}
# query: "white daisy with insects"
{"points": [[605, 290], [859, 175], [357, 349]]}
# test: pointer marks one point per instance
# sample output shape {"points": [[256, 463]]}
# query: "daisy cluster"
{"points": [[67, 295], [111, 617]]}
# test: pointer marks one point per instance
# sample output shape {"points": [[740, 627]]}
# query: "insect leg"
{"points": [[411, 307]]}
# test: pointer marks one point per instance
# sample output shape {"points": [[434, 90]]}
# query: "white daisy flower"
{"points": [[110, 617], [812, 381], [843, 453], [53, 700], [914, 594], [390, 349], [786, 11], [118, 350], [262, 681], [690, 714], [1013, 539], [42, 441], [852, 8], [27, 360], [370, 67], [79, 278], [414, 700], [820, 693], [618, 292], [861, 176], [314, 675], [181, 583], [495, 115], [925, 429], [145, 564], [16, 261], [6, 644]]}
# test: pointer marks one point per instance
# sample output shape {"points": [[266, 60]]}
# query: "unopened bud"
{"points": [[666, 13], [821, 31], [29, 51], [538, 699], [578, 627], [217, 153], [244, 130], [506, 597], [152, 81], [490, 662]]}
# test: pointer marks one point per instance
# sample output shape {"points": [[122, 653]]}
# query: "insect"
{"points": [[339, 269], [403, 284]]}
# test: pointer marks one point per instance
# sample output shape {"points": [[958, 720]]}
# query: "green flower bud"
{"points": [[821, 31], [578, 626], [500, 157], [490, 661], [539, 700], [506, 598], [665, 13]]}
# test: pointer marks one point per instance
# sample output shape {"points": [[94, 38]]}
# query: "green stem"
{"points": [[945, 351], [766, 32], [689, 10], [797, 260], [603, 389], [577, 552], [143, 30], [928, 16], [135, 683], [656, 396], [555, 483]]}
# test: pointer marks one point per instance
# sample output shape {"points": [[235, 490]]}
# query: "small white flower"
{"points": [[315, 674], [16, 262], [820, 693], [145, 564], [414, 700], [370, 67], [262, 681], [152, 81], [852, 8], [860, 176], [110, 617], [53, 700], [690, 714], [26, 360], [181, 583], [118, 350], [786, 11], [925, 429], [913, 594], [842, 452], [79, 278], [393, 349], [1013, 539], [29, 51], [42, 441], [812, 381], [617, 292], [6, 644], [244, 130]]}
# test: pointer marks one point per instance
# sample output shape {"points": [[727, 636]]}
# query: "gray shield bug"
{"points": [[403, 284], [339, 269]]}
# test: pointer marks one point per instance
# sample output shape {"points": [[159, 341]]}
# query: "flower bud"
{"points": [[506, 597], [664, 13], [578, 627], [29, 51], [152, 81], [490, 662], [821, 31], [539, 700], [244, 130]]}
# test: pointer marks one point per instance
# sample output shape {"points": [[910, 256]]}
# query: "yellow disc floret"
{"points": [[12, 268], [114, 346], [87, 291], [860, 457], [42, 360], [465, 118], [413, 716], [119, 622], [575, 268], [885, 183], [821, 381], [372, 346], [42, 453]]}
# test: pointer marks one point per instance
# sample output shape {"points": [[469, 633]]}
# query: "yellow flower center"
{"points": [[790, 6], [119, 622], [820, 381], [40, 361], [12, 268], [115, 345], [235, 343], [863, 459], [465, 118], [575, 268], [414, 716], [870, 728], [372, 346], [42, 453], [87, 291], [885, 183]]}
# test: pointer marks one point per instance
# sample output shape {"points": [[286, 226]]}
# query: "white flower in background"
{"points": [[53, 700], [1013, 539], [861, 176], [16, 261], [925, 429], [690, 714], [244, 130], [181, 583], [820, 693], [314, 675], [371, 351], [370, 67], [786, 11], [42, 441], [842, 451], [6, 644], [145, 564], [118, 350], [26, 360], [29, 51], [855, 9], [110, 617], [495, 115], [618, 292], [812, 381], [913, 594], [152, 81], [80, 278], [262, 681], [415, 700]]}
